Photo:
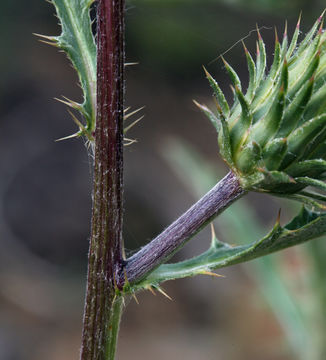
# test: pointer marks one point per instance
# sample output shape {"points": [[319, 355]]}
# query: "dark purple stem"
{"points": [[105, 257], [160, 249]]}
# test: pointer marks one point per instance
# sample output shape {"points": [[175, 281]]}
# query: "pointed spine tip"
{"points": [[208, 75], [285, 33], [299, 21], [219, 109], [159, 289], [213, 234], [276, 36], [258, 33], [257, 49], [210, 273], [278, 219], [226, 64], [149, 288], [321, 16], [135, 298], [244, 47], [320, 30]]}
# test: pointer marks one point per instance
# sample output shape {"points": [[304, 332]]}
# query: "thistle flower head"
{"points": [[274, 135]]}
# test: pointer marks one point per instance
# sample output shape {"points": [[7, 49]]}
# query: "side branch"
{"points": [[160, 249]]}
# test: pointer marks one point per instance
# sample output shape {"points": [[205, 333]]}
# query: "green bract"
{"points": [[274, 135]]}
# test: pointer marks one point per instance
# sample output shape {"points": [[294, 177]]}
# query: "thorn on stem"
{"points": [[159, 289], [135, 298], [210, 273]]}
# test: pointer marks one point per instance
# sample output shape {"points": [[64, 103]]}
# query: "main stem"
{"points": [[103, 304]]}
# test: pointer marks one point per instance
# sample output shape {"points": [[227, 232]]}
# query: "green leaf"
{"points": [[305, 180], [233, 75], [77, 41], [307, 40], [274, 153], [305, 226], [252, 73], [305, 68], [294, 40], [316, 105], [294, 111], [248, 157], [239, 131], [319, 150], [315, 166], [267, 86], [218, 94], [274, 177], [261, 59], [301, 137], [267, 127], [213, 119]]}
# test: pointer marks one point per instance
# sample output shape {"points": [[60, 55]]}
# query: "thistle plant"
{"points": [[273, 139]]}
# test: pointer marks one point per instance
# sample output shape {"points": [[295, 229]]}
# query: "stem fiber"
{"points": [[103, 305]]}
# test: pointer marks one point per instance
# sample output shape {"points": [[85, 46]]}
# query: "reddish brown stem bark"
{"points": [[105, 259]]}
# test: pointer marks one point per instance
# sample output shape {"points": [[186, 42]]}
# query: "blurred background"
{"points": [[272, 308]]}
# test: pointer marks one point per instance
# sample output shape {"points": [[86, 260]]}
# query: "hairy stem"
{"points": [[160, 249], [102, 305]]}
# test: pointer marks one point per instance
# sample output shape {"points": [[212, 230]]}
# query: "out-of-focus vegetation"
{"points": [[44, 187], [294, 293], [175, 36]]}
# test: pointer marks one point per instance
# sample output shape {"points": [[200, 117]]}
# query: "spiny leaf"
{"points": [[274, 153], [269, 89], [313, 195], [277, 61], [306, 41], [306, 71], [314, 148], [304, 198], [319, 151], [284, 46], [294, 40], [316, 166], [248, 157], [252, 73], [209, 114], [225, 139], [239, 131], [77, 41], [311, 182], [267, 127], [261, 59], [276, 177], [316, 105], [294, 111], [218, 93], [233, 75], [305, 226], [301, 137]]}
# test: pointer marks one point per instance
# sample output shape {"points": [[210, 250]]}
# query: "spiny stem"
{"points": [[160, 249], [102, 306]]}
